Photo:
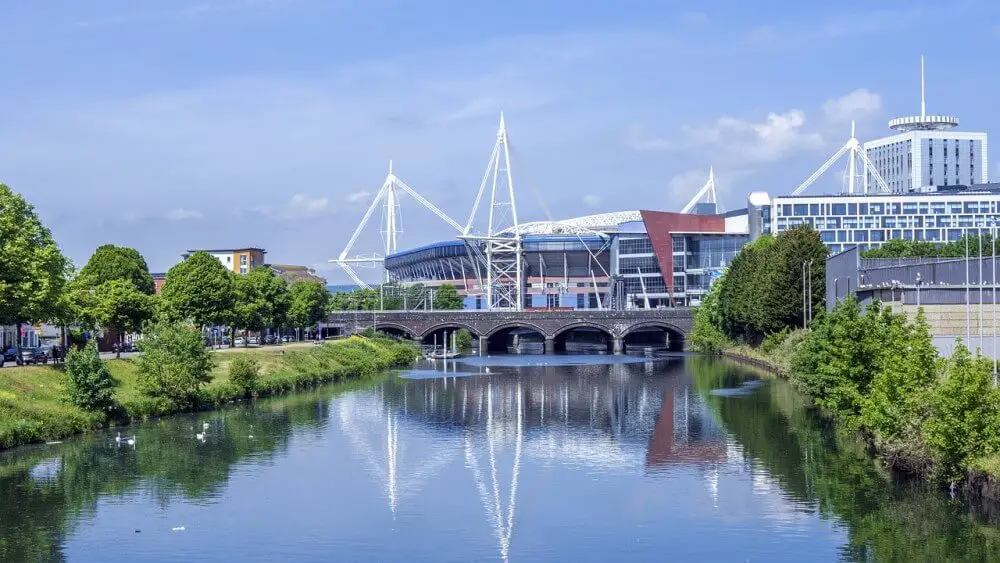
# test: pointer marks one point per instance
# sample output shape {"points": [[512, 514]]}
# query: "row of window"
{"points": [[894, 208], [883, 235], [641, 245], [887, 221]]}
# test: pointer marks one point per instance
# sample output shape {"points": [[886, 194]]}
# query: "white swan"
{"points": [[131, 441], [200, 436], [118, 438]]}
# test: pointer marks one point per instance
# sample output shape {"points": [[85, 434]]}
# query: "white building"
{"points": [[927, 153]]}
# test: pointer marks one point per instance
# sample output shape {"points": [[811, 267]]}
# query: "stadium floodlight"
{"points": [[707, 192], [388, 197], [855, 153], [499, 249]]}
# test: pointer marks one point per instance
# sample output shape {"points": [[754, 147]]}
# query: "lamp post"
{"points": [[803, 294], [919, 280]]}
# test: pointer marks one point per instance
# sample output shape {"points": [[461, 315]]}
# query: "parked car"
{"points": [[239, 341], [10, 354], [253, 341], [41, 354], [271, 339], [28, 356], [285, 339]]}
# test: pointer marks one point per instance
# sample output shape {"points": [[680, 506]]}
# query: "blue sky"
{"points": [[168, 125]]}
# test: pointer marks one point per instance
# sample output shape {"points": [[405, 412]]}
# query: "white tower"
{"points": [[499, 249], [707, 192], [388, 196], [923, 122]]}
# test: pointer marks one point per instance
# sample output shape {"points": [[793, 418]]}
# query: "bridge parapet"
{"points": [[678, 321]]}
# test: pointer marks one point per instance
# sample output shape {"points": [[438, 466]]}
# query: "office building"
{"points": [[238, 260]]}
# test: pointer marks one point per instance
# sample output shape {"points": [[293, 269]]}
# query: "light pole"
{"points": [[919, 280], [968, 305], [979, 266], [810, 271], [804, 294], [993, 253]]}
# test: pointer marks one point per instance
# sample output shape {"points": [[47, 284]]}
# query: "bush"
{"points": [[772, 341], [244, 373], [89, 381], [464, 340], [175, 363]]}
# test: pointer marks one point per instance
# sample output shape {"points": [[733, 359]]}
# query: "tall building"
{"points": [[927, 153], [239, 260]]}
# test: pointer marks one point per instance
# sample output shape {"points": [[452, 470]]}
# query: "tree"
{"points": [[122, 308], [174, 364], [32, 269], [463, 339], [199, 289], [244, 373], [88, 380], [262, 300], [965, 415], [446, 298], [707, 335], [309, 302], [110, 262]]}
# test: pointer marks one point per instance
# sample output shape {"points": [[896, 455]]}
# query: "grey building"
{"points": [[954, 307]]}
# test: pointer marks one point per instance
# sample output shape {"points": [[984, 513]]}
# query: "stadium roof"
{"points": [[589, 224]]}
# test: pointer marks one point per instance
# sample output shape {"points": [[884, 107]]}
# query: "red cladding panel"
{"points": [[659, 225]]}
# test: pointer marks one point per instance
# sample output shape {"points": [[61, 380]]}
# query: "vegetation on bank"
{"points": [[969, 244], [874, 372], [44, 403]]}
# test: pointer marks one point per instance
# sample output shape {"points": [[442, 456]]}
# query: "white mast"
{"points": [[500, 248], [923, 100], [388, 196], [854, 150], [707, 192]]}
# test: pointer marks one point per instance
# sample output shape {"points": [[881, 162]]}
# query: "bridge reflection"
{"points": [[634, 417]]}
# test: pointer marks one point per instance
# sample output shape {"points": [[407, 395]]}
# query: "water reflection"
{"points": [[642, 461]]}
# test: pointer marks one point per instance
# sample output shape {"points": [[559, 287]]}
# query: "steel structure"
{"points": [[499, 249], [852, 148], [388, 197], [707, 192]]}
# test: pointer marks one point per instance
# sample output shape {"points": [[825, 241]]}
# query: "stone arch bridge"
{"points": [[617, 326]]}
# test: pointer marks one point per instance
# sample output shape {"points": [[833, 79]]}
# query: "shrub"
{"points": [[773, 340], [244, 373], [89, 381], [464, 340], [175, 363]]}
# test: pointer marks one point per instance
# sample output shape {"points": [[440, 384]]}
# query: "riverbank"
{"points": [[982, 477], [35, 406]]}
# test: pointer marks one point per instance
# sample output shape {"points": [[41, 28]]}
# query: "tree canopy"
{"points": [[309, 302], [110, 262], [32, 269], [447, 298], [921, 248], [262, 300], [122, 307], [199, 289]]}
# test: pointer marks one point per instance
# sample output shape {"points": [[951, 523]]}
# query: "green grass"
{"points": [[35, 407]]}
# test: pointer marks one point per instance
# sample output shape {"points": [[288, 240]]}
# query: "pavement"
{"points": [[225, 349]]}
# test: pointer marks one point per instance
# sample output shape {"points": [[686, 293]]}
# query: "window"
{"points": [[814, 209], [635, 246], [852, 209], [863, 209], [839, 209], [800, 210], [678, 244], [786, 210], [243, 259]]}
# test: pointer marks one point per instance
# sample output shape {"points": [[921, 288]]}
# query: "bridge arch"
{"points": [[584, 337], [443, 330], [395, 329], [654, 334], [516, 336]]}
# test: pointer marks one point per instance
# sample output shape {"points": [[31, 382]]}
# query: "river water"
{"points": [[521, 459]]}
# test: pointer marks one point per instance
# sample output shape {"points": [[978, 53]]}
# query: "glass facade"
{"points": [[916, 160], [869, 221]]}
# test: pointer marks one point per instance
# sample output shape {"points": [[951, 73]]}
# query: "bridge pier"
{"points": [[619, 346], [484, 345], [550, 345]]}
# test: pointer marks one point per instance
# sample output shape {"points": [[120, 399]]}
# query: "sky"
{"points": [[183, 124]]}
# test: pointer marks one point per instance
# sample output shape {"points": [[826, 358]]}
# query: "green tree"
{"points": [[89, 381], [174, 364], [446, 298], [707, 335], [262, 300], [110, 262], [244, 372], [32, 269], [964, 423], [897, 404], [309, 301], [199, 289], [463, 339], [783, 269], [122, 308]]}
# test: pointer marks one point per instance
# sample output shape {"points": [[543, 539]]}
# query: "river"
{"points": [[543, 458]]}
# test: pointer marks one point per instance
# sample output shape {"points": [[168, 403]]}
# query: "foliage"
{"points": [[88, 380], [463, 339], [110, 262], [772, 341], [897, 403], [262, 300], [446, 298], [308, 304], [199, 289], [33, 272], [917, 248], [175, 363], [707, 335], [964, 423], [244, 373], [122, 307], [763, 288]]}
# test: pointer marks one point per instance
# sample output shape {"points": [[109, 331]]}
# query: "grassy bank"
{"points": [[35, 406]]}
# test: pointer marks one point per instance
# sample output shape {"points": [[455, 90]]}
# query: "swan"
{"points": [[200, 436], [131, 441], [118, 438], [204, 426]]}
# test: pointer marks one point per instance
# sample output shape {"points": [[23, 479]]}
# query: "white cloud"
{"points": [[180, 214], [591, 200], [357, 197], [855, 105], [737, 140]]}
